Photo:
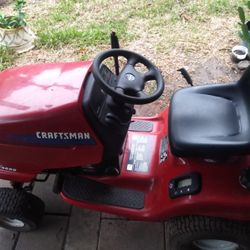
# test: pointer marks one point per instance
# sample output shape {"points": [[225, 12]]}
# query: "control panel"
{"points": [[185, 185]]}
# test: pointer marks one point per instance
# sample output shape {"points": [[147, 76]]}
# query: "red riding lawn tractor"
{"points": [[189, 165]]}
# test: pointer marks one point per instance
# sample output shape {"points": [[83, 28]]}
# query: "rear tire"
{"points": [[205, 233], [19, 210]]}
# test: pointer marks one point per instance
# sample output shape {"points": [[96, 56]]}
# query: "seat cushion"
{"points": [[209, 121]]}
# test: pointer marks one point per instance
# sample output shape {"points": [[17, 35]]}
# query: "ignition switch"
{"points": [[245, 178]]}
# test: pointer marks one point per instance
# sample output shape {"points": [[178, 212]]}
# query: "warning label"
{"points": [[140, 153]]}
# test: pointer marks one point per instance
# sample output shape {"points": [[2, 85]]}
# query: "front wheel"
{"points": [[207, 233], [19, 210]]}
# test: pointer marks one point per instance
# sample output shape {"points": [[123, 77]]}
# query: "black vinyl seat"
{"points": [[211, 121]]}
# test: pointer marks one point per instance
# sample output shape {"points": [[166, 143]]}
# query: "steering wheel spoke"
{"points": [[132, 60], [150, 75]]}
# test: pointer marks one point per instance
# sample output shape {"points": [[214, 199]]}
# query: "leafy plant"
{"points": [[244, 32], [7, 57], [16, 21]]}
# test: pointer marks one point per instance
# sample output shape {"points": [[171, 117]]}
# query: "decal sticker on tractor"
{"points": [[164, 149], [7, 168], [63, 136], [140, 153], [69, 138], [56, 138]]}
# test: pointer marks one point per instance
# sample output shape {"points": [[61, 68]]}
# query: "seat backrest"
{"points": [[244, 85]]}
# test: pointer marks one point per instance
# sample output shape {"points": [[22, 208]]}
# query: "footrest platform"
{"points": [[83, 189]]}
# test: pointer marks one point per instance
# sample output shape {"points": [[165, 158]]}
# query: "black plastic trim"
{"points": [[83, 189]]}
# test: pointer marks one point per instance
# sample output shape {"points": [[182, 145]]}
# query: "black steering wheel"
{"points": [[129, 83]]}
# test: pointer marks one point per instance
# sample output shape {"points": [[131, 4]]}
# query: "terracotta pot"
{"points": [[20, 39]]}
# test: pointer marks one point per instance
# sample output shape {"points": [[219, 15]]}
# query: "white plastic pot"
{"points": [[240, 52], [20, 39]]}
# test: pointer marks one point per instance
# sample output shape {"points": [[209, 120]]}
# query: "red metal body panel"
{"points": [[221, 194], [37, 100]]}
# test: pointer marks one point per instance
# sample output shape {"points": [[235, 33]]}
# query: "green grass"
{"points": [[64, 11], [65, 23], [7, 58], [223, 6], [154, 9], [91, 35], [205, 9], [196, 7], [65, 26]]}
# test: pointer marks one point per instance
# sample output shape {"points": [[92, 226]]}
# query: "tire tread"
{"points": [[180, 229], [15, 203]]}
